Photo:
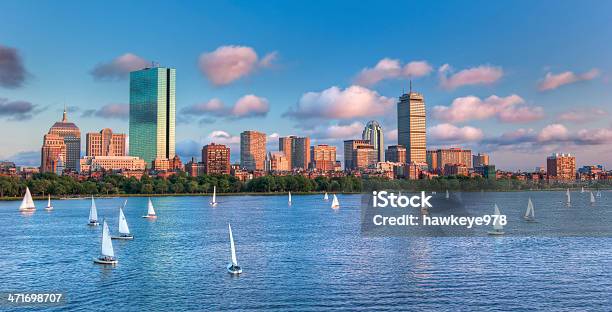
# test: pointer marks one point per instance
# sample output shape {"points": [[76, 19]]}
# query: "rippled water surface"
{"points": [[303, 257]]}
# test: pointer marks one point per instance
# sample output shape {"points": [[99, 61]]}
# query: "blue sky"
{"points": [[493, 48]]}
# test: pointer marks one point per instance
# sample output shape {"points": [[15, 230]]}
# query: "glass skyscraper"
{"points": [[373, 132], [152, 113]]}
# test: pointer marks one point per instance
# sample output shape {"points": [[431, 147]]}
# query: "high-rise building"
{"points": [[216, 159], [480, 160], [323, 157], [277, 161], [252, 150], [152, 113], [105, 143], [373, 132], [359, 154], [411, 118], [396, 153], [561, 167], [71, 136], [297, 151], [438, 159], [53, 150]]}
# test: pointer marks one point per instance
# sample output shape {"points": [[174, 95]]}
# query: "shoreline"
{"points": [[79, 197]]}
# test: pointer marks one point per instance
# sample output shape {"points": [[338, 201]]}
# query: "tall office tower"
{"points": [[216, 159], [297, 151], [105, 143], [373, 132], [359, 154], [252, 150], [480, 160], [411, 125], [396, 153], [52, 152], [152, 113], [71, 135], [432, 160], [323, 157], [561, 167]]}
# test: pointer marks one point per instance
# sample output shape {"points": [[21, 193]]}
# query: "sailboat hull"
{"points": [[93, 223], [126, 237], [233, 270], [496, 232], [213, 204], [150, 217], [105, 262], [27, 209], [49, 208]]}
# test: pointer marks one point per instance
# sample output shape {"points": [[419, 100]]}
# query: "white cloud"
{"points": [[246, 107], [392, 69], [335, 103], [510, 109], [229, 63], [119, 68], [483, 74], [448, 133], [553, 81]]}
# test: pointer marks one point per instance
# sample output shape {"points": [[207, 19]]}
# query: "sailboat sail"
{"points": [[592, 198], [598, 194], [150, 210], [335, 202], [107, 244], [93, 211], [325, 197], [27, 202], [569, 199], [447, 194], [496, 221], [530, 213], [214, 198], [582, 190], [123, 226], [232, 247], [289, 197], [49, 202]]}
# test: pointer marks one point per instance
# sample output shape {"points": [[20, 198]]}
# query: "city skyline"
{"points": [[495, 99]]}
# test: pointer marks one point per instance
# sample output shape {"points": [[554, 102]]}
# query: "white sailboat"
{"points": [[150, 211], [598, 193], [335, 203], [107, 255], [289, 199], [233, 267], [447, 195], [582, 190], [592, 198], [27, 204], [124, 230], [498, 228], [569, 198], [530, 213], [49, 206], [325, 197], [93, 213], [214, 197]]}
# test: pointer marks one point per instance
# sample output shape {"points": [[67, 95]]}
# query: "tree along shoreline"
{"points": [[62, 187]]}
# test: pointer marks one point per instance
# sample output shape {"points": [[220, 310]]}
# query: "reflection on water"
{"points": [[306, 256]]}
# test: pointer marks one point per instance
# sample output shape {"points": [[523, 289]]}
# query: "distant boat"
{"points": [[49, 206], [335, 203], [93, 213], [598, 194], [530, 213], [289, 198], [124, 230], [27, 204], [325, 197], [233, 267], [107, 255], [150, 211], [592, 198], [569, 198], [498, 228], [447, 195], [582, 190], [214, 197]]}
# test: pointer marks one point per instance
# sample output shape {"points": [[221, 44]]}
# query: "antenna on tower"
{"points": [[410, 85]]}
